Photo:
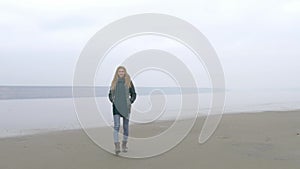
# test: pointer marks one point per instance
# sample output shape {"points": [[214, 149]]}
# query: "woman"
{"points": [[122, 95]]}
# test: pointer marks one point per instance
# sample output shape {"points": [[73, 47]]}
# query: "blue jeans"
{"points": [[117, 128]]}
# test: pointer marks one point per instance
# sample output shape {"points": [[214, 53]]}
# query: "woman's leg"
{"points": [[116, 127], [125, 134], [125, 129]]}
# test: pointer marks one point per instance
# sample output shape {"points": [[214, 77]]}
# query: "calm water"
{"points": [[31, 109]]}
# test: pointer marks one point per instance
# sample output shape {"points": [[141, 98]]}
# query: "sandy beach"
{"points": [[248, 140]]}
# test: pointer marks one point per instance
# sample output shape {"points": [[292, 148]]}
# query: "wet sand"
{"points": [[268, 140]]}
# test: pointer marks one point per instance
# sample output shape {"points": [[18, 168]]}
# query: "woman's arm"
{"points": [[110, 96], [132, 93]]}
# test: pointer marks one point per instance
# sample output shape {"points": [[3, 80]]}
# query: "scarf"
{"points": [[122, 102]]}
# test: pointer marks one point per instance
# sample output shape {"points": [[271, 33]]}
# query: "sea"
{"points": [[29, 110]]}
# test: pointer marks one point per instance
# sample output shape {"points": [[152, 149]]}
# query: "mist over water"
{"points": [[31, 109]]}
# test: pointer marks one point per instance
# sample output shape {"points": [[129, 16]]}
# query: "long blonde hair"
{"points": [[116, 77]]}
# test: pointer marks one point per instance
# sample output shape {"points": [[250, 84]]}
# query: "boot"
{"points": [[117, 148], [124, 146]]}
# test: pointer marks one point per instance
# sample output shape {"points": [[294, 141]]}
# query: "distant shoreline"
{"points": [[40, 92]]}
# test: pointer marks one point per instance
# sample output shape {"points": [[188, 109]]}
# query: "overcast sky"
{"points": [[257, 41]]}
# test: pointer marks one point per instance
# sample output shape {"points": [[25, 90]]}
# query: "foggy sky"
{"points": [[257, 41]]}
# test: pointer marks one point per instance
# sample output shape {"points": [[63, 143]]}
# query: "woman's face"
{"points": [[121, 72]]}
